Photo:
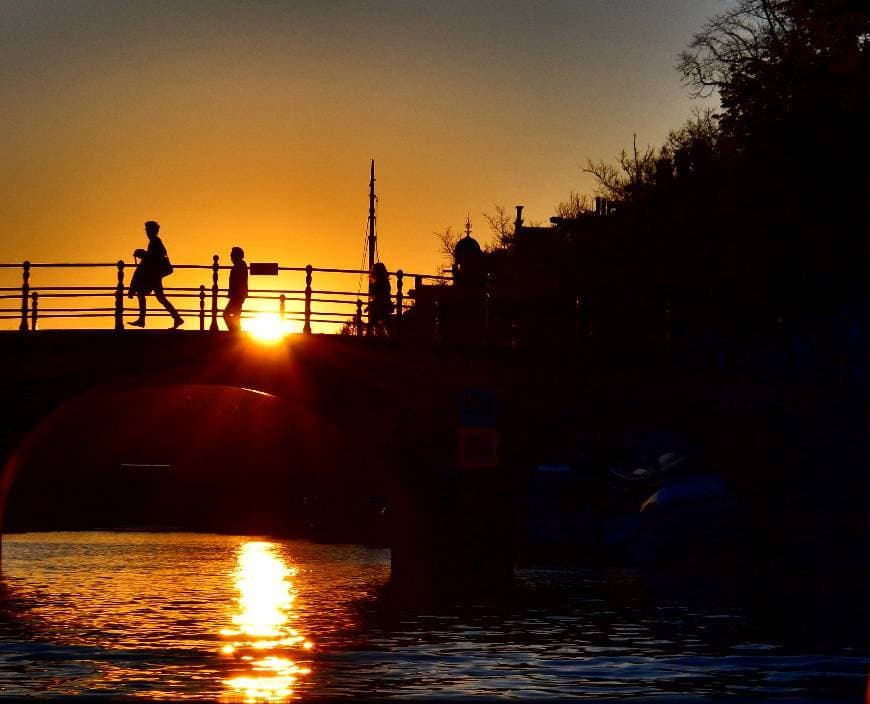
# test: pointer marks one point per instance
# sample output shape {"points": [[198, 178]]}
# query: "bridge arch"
{"points": [[178, 455], [388, 415]]}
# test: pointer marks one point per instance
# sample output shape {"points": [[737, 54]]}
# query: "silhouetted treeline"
{"points": [[782, 185], [751, 221]]}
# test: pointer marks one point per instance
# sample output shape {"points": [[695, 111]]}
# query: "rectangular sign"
{"points": [[263, 268], [478, 448]]}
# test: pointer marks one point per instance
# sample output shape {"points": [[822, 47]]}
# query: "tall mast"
{"points": [[372, 235]]}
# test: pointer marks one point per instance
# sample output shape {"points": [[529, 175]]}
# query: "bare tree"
{"points": [[745, 35], [627, 179], [576, 205], [778, 64], [448, 240], [501, 227], [701, 127]]}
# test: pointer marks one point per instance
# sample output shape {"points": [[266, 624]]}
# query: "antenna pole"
{"points": [[372, 235]]}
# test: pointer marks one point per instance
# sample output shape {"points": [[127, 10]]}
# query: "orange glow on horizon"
{"points": [[230, 126]]}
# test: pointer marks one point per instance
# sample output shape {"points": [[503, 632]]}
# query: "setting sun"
{"points": [[268, 328]]}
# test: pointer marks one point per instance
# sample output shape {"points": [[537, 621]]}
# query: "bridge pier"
{"points": [[452, 537], [453, 505]]}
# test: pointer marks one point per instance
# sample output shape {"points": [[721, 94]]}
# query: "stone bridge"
{"points": [[356, 418]]}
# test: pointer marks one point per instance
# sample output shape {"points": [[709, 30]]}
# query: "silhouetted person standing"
{"points": [[380, 301], [149, 276], [237, 291]]}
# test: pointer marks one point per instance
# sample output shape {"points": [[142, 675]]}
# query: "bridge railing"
{"points": [[332, 308]]}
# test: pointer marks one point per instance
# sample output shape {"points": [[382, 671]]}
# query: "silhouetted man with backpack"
{"points": [[148, 277]]}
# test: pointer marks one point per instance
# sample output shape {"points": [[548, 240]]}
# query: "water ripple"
{"points": [[168, 616]]}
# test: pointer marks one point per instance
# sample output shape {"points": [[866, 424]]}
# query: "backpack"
{"points": [[165, 266]]}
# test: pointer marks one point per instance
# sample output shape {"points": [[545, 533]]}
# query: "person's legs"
{"points": [[384, 329], [162, 300], [140, 321], [380, 324], [233, 316], [376, 319]]}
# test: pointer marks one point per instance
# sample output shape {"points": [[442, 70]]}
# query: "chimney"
{"points": [[518, 223]]}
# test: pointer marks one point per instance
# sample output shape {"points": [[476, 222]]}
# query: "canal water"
{"points": [[233, 618]]}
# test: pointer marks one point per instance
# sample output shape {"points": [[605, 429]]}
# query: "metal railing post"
{"points": [[202, 307], [119, 297], [400, 299], [307, 327], [25, 294], [282, 308], [359, 323], [34, 310], [214, 293]]}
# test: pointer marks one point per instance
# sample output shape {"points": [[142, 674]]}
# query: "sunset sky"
{"points": [[253, 123]]}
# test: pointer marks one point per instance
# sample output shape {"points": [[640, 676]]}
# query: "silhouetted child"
{"points": [[237, 291], [149, 276], [380, 301]]}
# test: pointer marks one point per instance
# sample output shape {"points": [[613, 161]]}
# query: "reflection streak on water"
{"points": [[122, 615], [265, 602]]}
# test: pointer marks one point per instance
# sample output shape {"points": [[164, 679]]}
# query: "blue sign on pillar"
{"points": [[477, 408], [478, 438]]}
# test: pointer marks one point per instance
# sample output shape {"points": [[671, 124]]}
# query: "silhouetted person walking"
{"points": [[237, 291], [380, 301], [149, 275]]}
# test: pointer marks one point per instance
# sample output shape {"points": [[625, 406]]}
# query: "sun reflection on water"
{"points": [[260, 643]]}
